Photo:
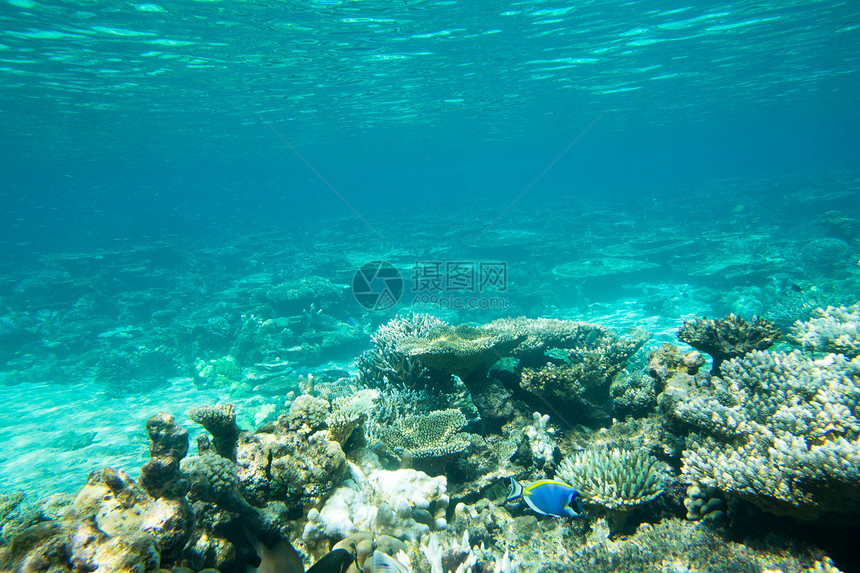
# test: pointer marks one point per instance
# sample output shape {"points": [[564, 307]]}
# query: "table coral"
{"points": [[728, 337], [781, 430], [423, 436], [465, 351]]}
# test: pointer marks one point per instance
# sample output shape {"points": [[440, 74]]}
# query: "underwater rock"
{"points": [[168, 445], [278, 463], [404, 503]]}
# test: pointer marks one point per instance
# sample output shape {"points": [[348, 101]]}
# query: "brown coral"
{"points": [[220, 421], [728, 337]]}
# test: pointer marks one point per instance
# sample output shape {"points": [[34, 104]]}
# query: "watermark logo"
{"points": [[377, 285], [460, 284]]}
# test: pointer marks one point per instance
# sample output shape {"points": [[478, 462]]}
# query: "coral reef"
{"points": [[160, 476], [542, 442], [350, 412], [293, 297], [675, 546], [781, 430], [292, 460], [190, 513], [704, 503], [728, 337], [832, 329], [668, 360]]}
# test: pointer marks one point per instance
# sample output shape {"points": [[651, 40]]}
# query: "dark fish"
{"points": [[335, 561]]}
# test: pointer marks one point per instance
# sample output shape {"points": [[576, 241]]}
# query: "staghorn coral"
{"points": [[220, 421], [426, 436], [728, 337], [349, 412], [832, 329], [616, 478], [385, 364], [781, 431]]}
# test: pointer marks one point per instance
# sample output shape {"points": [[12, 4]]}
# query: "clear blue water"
{"points": [[156, 114]]}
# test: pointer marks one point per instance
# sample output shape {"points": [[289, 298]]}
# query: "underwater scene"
{"points": [[424, 286]]}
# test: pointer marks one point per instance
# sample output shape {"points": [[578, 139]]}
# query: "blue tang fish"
{"points": [[548, 497]]}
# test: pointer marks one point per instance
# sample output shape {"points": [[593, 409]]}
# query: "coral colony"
{"points": [[407, 465]]}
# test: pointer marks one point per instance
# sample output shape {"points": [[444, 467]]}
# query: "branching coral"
{"points": [[616, 478], [833, 329], [349, 412], [782, 431], [385, 363], [728, 337]]}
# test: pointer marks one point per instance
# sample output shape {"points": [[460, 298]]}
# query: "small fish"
{"points": [[548, 497]]}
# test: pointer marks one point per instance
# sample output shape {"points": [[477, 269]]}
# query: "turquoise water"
{"points": [[167, 167]]}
